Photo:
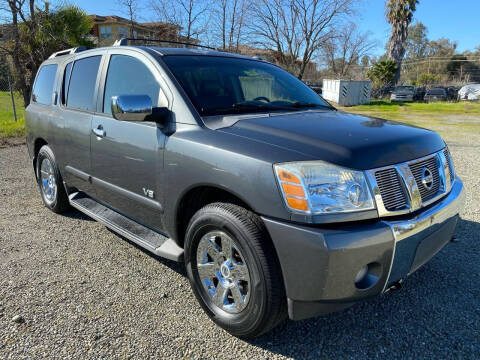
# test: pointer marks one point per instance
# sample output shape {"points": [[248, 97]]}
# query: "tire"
{"points": [[50, 181], [255, 300]]}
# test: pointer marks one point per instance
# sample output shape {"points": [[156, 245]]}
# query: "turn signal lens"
{"points": [[287, 176], [297, 204], [294, 190]]}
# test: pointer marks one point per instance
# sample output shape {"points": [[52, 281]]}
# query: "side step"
{"points": [[150, 240]]}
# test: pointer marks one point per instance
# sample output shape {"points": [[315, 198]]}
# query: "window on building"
{"points": [[81, 89], [43, 87], [129, 76], [105, 32], [122, 32]]}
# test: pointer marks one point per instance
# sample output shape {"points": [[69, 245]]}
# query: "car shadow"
{"points": [[73, 213], [173, 265], [434, 313]]}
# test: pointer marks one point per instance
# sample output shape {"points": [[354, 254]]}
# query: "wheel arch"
{"points": [[197, 197], [37, 145]]}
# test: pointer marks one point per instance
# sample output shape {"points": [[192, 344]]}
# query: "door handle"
{"points": [[99, 131]]}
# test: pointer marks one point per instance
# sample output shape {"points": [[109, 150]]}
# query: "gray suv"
{"points": [[278, 204]]}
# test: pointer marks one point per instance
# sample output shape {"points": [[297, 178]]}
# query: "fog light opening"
{"points": [[368, 276]]}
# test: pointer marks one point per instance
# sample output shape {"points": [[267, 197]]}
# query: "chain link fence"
{"points": [[7, 87]]}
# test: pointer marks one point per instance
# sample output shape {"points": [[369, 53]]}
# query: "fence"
{"points": [[6, 85]]}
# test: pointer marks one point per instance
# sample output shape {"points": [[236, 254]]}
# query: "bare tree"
{"points": [[296, 29], [18, 10], [344, 51], [131, 9], [229, 20], [191, 15]]}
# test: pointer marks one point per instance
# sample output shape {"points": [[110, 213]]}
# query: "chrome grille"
{"points": [[417, 171], [393, 195], [398, 189]]}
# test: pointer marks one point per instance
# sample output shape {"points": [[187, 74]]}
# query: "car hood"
{"points": [[348, 140]]}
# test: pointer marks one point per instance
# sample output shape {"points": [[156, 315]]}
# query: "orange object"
{"points": [[288, 176], [297, 204], [294, 190]]}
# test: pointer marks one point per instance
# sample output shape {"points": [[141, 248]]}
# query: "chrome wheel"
{"points": [[48, 183], [223, 272]]}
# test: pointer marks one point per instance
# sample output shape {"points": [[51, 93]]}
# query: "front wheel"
{"points": [[233, 271], [50, 181]]}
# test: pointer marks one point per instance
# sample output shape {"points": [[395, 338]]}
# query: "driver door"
{"points": [[127, 157]]}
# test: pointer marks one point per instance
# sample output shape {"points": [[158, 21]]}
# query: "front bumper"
{"points": [[320, 265], [401, 98]]}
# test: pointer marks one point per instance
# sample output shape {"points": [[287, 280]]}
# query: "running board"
{"points": [[148, 239]]}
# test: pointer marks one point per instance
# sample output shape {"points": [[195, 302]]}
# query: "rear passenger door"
{"points": [[78, 102], [127, 157]]}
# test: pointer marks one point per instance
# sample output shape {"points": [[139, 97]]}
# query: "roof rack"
{"points": [[124, 42], [68, 51]]}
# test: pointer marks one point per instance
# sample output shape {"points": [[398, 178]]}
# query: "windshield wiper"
{"points": [[244, 106], [257, 106], [301, 104]]}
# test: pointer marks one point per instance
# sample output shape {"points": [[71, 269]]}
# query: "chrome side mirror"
{"points": [[131, 107]]}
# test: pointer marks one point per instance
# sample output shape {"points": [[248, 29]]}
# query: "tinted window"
{"points": [[66, 80], [43, 88], [82, 83], [129, 76], [221, 85], [404, 88], [436, 92]]}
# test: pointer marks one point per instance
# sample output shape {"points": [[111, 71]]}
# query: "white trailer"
{"points": [[347, 92]]}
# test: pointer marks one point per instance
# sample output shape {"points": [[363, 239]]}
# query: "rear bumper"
{"points": [[322, 267]]}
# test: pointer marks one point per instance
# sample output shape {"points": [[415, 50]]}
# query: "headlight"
{"points": [[317, 187]]}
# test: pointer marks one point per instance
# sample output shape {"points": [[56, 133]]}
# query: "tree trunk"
{"points": [[19, 71]]}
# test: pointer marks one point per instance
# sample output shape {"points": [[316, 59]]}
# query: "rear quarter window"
{"points": [[81, 89], [43, 87]]}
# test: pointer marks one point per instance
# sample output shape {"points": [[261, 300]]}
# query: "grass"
{"points": [[8, 126], [447, 118]]}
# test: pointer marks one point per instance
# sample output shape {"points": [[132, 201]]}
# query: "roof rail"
{"points": [[124, 42], [68, 51]]}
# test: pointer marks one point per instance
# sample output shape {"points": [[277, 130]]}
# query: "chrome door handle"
{"points": [[99, 131]]}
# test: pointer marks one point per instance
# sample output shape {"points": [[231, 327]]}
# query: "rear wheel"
{"points": [[50, 181], [233, 270]]}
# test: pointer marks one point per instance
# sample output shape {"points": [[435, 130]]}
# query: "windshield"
{"points": [[404, 89], [225, 85]]}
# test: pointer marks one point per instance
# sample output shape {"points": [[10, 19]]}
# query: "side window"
{"points": [[82, 83], [43, 87], [129, 76], [66, 80]]}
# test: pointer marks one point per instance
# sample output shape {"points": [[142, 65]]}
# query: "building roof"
{"points": [[157, 25]]}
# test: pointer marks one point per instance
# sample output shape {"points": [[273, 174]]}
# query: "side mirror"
{"points": [[131, 107]]}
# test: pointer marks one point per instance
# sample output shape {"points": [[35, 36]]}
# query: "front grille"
{"points": [[393, 195], [417, 171]]}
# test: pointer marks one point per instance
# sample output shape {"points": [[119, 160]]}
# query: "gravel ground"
{"points": [[69, 288]]}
